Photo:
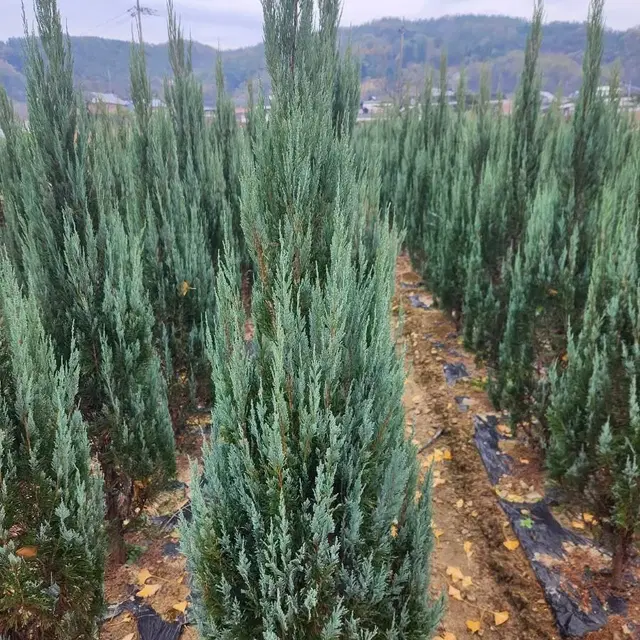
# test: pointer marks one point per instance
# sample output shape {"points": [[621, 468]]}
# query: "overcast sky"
{"points": [[236, 23]]}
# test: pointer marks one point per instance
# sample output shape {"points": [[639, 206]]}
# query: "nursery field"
{"points": [[311, 379], [478, 560]]}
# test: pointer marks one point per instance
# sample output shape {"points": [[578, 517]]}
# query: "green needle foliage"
{"points": [[184, 205], [525, 229], [51, 504], [310, 518], [71, 205]]}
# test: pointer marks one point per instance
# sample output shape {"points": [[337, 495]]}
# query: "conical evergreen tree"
{"points": [[310, 519], [183, 206], [594, 415], [51, 504], [67, 227]]}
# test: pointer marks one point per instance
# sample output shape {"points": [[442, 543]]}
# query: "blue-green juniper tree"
{"points": [[310, 517]]}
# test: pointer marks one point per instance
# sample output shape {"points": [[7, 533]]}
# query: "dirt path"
{"points": [[471, 528]]}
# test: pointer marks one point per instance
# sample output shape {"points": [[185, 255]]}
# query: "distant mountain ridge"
{"points": [[470, 41]]}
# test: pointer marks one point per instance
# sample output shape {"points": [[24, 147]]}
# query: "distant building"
{"points": [[241, 115], [156, 103], [107, 103], [547, 97]]}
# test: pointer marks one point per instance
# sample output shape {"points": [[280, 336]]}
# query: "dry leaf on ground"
{"points": [[512, 545], [455, 573], [473, 626], [500, 617], [148, 591], [143, 576], [455, 593]]}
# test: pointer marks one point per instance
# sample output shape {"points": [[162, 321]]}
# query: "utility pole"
{"points": [[402, 31], [136, 12]]}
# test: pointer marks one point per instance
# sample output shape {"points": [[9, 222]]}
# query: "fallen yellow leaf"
{"points": [[524, 461], [473, 626], [437, 533], [148, 591], [455, 573], [437, 482], [143, 576], [588, 518], [129, 636], [455, 593], [459, 504], [448, 636], [184, 287], [500, 617], [27, 552], [467, 548], [447, 454], [466, 582], [512, 545], [504, 429], [181, 606], [576, 524]]}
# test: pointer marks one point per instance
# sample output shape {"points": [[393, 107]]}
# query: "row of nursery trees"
{"points": [[123, 244], [526, 228]]}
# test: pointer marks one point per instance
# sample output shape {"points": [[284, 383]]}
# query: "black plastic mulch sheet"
{"points": [[150, 625], [540, 536], [169, 522], [417, 302], [463, 403], [455, 372]]}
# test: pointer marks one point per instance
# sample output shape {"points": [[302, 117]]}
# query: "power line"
{"points": [[110, 20]]}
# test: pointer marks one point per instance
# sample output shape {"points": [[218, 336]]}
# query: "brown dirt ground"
{"points": [[471, 564], [122, 582], [465, 509]]}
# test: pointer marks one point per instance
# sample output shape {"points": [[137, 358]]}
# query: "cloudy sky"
{"points": [[235, 23]]}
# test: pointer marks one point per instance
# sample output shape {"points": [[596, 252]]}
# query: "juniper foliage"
{"points": [[516, 224], [310, 519], [183, 206], [51, 504], [67, 231]]}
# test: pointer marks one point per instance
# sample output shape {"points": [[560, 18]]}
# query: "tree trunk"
{"points": [[117, 546], [620, 554], [118, 502]]}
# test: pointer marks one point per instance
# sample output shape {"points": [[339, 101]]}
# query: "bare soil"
{"points": [[466, 512]]}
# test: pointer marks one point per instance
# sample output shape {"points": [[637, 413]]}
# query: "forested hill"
{"points": [[470, 41]]}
